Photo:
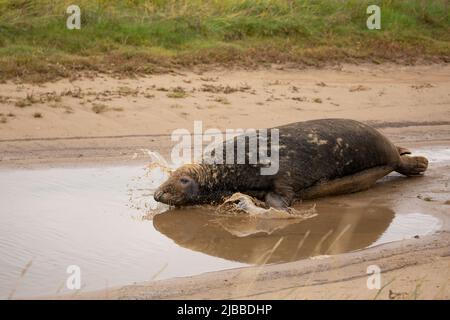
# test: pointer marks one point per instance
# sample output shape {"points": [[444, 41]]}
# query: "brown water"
{"points": [[53, 218]]}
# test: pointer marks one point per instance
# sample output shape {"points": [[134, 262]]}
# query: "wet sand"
{"points": [[412, 269], [411, 105]]}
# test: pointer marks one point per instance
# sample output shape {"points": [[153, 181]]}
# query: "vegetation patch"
{"points": [[177, 93], [137, 37]]}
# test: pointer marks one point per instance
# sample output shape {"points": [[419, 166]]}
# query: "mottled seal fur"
{"points": [[316, 158]]}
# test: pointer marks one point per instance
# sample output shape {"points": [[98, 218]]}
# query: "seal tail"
{"points": [[412, 166]]}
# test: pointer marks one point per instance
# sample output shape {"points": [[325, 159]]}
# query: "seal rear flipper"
{"points": [[402, 151], [412, 166]]}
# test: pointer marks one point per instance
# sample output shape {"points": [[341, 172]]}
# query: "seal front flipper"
{"points": [[281, 197], [276, 201]]}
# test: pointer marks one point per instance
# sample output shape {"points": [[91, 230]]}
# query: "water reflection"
{"points": [[336, 229]]}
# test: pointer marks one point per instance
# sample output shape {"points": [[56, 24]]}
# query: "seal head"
{"points": [[180, 189]]}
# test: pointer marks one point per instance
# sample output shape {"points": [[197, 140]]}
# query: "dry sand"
{"points": [[55, 124]]}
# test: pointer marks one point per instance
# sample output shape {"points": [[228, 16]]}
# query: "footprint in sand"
{"points": [[359, 88], [422, 86]]}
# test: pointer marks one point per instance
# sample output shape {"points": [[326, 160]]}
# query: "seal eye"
{"points": [[184, 181]]}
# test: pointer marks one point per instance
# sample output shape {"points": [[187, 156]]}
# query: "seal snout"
{"points": [[159, 196]]}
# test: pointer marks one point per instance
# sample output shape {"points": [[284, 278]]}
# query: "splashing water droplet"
{"points": [[142, 187]]}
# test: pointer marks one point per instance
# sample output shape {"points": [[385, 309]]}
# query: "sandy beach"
{"points": [[105, 120]]}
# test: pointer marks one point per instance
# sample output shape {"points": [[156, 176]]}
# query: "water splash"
{"points": [[142, 187], [241, 204]]}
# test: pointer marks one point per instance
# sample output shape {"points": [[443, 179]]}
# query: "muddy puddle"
{"points": [[54, 218]]}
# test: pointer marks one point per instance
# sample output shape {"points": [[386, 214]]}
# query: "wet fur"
{"points": [[311, 153]]}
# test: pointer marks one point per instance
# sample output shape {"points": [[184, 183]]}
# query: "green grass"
{"points": [[143, 36]]}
